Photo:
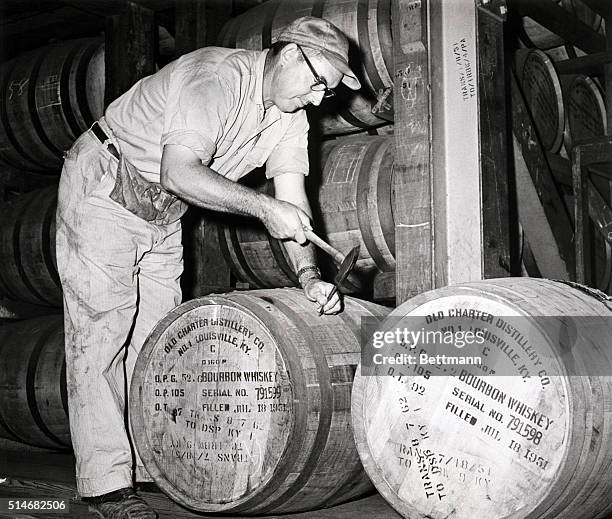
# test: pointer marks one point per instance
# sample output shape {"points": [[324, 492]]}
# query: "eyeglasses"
{"points": [[320, 85]]}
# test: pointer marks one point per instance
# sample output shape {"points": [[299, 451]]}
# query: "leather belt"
{"points": [[103, 138]]}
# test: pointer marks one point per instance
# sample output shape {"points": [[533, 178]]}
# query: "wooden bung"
{"points": [[240, 403], [49, 97], [525, 434], [33, 399], [27, 249], [350, 193], [367, 24]]}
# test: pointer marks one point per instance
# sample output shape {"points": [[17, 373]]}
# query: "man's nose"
{"points": [[316, 97]]}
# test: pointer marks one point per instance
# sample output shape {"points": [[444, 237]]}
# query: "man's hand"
{"points": [[285, 220], [317, 291]]}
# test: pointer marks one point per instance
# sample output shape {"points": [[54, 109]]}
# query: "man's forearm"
{"points": [[201, 186]]}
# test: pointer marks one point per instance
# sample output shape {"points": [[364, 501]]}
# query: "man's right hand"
{"points": [[286, 221]]}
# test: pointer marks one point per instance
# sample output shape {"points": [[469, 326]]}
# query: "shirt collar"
{"points": [[259, 72]]}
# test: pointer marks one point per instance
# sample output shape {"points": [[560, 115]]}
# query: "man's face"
{"points": [[291, 88]]}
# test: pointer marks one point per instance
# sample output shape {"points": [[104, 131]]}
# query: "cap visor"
{"points": [[349, 79]]}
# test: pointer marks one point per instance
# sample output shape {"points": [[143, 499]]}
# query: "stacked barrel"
{"points": [[568, 108], [350, 180], [523, 433], [49, 97]]}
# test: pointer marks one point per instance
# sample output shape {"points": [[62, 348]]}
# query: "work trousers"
{"points": [[120, 276]]}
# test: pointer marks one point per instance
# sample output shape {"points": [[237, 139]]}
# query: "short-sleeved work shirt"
{"points": [[210, 100]]}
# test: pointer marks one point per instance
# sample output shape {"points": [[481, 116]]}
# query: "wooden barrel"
{"points": [[536, 35], [585, 111], [49, 97], [240, 403], [33, 400], [27, 249], [525, 434], [366, 23], [351, 200], [542, 91]]}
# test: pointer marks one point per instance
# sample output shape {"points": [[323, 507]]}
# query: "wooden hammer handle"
{"points": [[334, 253]]}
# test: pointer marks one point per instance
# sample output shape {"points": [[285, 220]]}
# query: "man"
{"points": [[184, 134]]}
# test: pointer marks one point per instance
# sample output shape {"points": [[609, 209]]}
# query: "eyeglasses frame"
{"points": [[327, 92]]}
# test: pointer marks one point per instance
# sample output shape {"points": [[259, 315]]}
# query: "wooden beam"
{"points": [[582, 238], [562, 22], [589, 204], [608, 73], [537, 228], [499, 224], [206, 270], [111, 7], [591, 64], [198, 22], [601, 7], [455, 97], [131, 41], [535, 158], [412, 171]]}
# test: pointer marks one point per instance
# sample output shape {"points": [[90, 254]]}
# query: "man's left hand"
{"points": [[317, 291]]}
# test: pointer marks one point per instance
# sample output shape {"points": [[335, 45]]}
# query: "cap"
{"points": [[324, 36]]}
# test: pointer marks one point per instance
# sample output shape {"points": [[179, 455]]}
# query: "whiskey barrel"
{"points": [[27, 249], [585, 111], [33, 400], [366, 23], [543, 95], [240, 403], [49, 97], [524, 434], [351, 199]]}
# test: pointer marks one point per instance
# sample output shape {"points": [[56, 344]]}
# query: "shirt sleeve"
{"points": [[291, 154], [197, 108]]}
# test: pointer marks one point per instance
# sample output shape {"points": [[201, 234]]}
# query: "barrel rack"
{"points": [[566, 234]]}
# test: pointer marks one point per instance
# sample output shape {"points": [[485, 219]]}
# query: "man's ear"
{"points": [[289, 53]]}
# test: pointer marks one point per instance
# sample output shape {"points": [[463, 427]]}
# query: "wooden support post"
{"points": [[499, 222], [589, 205], [582, 237], [131, 40], [457, 201], [197, 24], [412, 177]]}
